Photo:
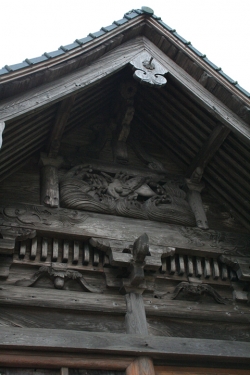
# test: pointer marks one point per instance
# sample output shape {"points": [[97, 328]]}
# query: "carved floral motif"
{"points": [[197, 290], [59, 276], [140, 197]]}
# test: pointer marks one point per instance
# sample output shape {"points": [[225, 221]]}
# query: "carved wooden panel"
{"points": [[147, 198]]}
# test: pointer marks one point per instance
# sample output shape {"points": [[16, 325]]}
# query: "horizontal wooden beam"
{"points": [[81, 301], [73, 83], [123, 344], [84, 225], [22, 359]]}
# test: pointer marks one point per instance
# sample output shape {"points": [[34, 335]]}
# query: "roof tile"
{"points": [[49, 55], [97, 34], [131, 15], [84, 40], [109, 28], [68, 47], [38, 59]]}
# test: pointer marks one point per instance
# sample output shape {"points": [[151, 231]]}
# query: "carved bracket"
{"points": [[239, 264], [58, 275], [197, 289], [148, 70]]}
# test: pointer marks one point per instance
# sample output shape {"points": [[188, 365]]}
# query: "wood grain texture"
{"points": [[141, 366], [135, 318], [87, 224], [153, 346], [175, 370], [55, 360], [200, 94]]}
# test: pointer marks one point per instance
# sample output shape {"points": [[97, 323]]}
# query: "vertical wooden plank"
{"points": [[76, 252], [224, 272], [86, 254], [50, 187], [55, 250], [45, 245], [96, 257], [135, 318], [105, 262], [33, 250], [216, 270], [163, 265], [141, 366], [65, 256], [172, 265], [198, 267], [207, 268], [190, 266], [22, 249], [181, 265]]}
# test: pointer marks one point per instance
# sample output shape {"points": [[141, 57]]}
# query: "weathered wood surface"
{"points": [[85, 224], [56, 360], [141, 365], [74, 82], [153, 346], [26, 371], [2, 126], [35, 317], [135, 318], [208, 149], [108, 304], [175, 370], [113, 61], [200, 94], [59, 126], [197, 328]]}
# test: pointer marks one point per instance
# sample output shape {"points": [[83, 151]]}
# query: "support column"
{"points": [[50, 183], [135, 318]]}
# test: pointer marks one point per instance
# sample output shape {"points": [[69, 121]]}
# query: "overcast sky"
{"points": [[218, 28]]}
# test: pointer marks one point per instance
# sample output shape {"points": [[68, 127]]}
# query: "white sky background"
{"points": [[218, 28]]}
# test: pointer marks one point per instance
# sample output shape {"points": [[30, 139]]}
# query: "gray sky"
{"points": [[218, 28]]}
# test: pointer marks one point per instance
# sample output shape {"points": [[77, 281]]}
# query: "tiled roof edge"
{"points": [[104, 30]]}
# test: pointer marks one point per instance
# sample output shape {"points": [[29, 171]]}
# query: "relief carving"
{"points": [[36, 215], [58, 276], [120, 194], [197, 290]]}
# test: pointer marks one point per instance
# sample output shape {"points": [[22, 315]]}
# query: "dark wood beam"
{"points": [[59, 126], [26, 359], [123, 344], [209, 149]]}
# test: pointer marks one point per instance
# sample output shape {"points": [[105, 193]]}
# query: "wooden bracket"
{"points": [[141, 366], [239, 264]]}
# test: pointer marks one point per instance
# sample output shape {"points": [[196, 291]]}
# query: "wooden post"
{"points": [[141, 366], [64, 371], [135, 318], [50, 183], [2, 126]]}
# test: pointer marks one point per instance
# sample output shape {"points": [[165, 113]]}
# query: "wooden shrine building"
{"points": [[124, 208]]}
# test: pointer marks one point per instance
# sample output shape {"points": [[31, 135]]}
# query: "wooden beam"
{"points": [[209, 149], [75, 82], [123, 344], [59, 126], [22, 359], [116, 305]]}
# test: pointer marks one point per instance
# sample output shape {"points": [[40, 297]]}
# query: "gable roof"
{"points": [[199, 106]]}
